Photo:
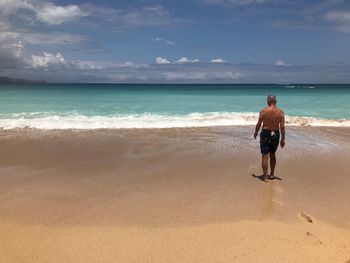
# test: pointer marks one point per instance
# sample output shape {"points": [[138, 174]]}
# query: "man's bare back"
{"points": [[271, 118]]}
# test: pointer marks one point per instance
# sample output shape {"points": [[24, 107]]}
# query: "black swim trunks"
{"points": [[269, 141]]}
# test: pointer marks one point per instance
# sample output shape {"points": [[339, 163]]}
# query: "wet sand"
{"points": [[173, 195]]}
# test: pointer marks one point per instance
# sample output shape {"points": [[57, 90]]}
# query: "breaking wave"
{"points": [[154, 121], [298, 87]]}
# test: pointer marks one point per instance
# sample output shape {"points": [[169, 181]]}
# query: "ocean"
{"points": [[95, 106]]}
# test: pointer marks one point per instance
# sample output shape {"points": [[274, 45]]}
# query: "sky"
{"points": [[163, 41]]}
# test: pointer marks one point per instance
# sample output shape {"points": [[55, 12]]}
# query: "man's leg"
{"points": [[272, 164], [264, 165]]}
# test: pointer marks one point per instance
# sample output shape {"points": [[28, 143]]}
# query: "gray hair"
{"points": [[271, 99]]}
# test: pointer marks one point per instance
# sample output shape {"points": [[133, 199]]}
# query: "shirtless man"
{"points": [[272, 120]]}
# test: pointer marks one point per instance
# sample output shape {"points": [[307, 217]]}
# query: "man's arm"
{"points": [[258, 125], [283, 131]]}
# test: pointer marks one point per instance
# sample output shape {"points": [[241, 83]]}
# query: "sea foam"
{"points": [[156, 121]]}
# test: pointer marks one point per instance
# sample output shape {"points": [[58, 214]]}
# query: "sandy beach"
{"points": [[173, 195]]}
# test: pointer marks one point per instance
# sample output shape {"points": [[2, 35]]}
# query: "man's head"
{"points": [[271, 100]]}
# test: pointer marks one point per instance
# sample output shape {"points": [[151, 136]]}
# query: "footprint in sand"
{"points": [[308, 234], [307, 217]]}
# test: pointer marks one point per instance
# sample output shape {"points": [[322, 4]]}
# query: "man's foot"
{"points": [[271, 176], [266, 178]]}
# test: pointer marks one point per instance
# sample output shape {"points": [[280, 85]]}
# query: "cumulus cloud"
{"points": [[8, 7], [341, 18], [18, 45], [43, 11], [86, 65], [58, 61], [56, 15], [218, 60], [185, 60], [202, 76], [281, 63], [164, 41], [160, 61], [48, 60]]}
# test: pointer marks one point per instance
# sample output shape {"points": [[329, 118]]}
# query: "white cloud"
{"points": [[218, 60], [18, 48], [18, 45], [48, 60], [87, 65], [128, 64], [59, 62], [8, 7], [281, 63], [56, 38], [56, 15], [164, 41], [185, 60], [202, 76], [341, 18], [43, 11], [160, 60]]}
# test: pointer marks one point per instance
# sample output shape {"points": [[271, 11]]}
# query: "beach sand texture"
{"points": [[173, 195]]}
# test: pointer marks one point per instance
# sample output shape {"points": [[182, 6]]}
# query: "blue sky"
{"points": [[205, 41]]}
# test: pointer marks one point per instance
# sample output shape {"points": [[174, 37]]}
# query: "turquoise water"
{"points": [[125, 105]]}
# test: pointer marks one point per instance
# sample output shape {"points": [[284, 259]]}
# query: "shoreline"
{"points": [[170, 195], [214, 127], [156, 121]]}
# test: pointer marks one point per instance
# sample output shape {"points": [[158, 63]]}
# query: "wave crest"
{"points": [[156, 121]]}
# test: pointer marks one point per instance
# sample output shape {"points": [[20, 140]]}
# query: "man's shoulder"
{"points": [[263, 110], [280, 110]]}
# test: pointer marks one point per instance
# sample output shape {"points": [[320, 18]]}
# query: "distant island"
{"points": [[7, 80]]}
